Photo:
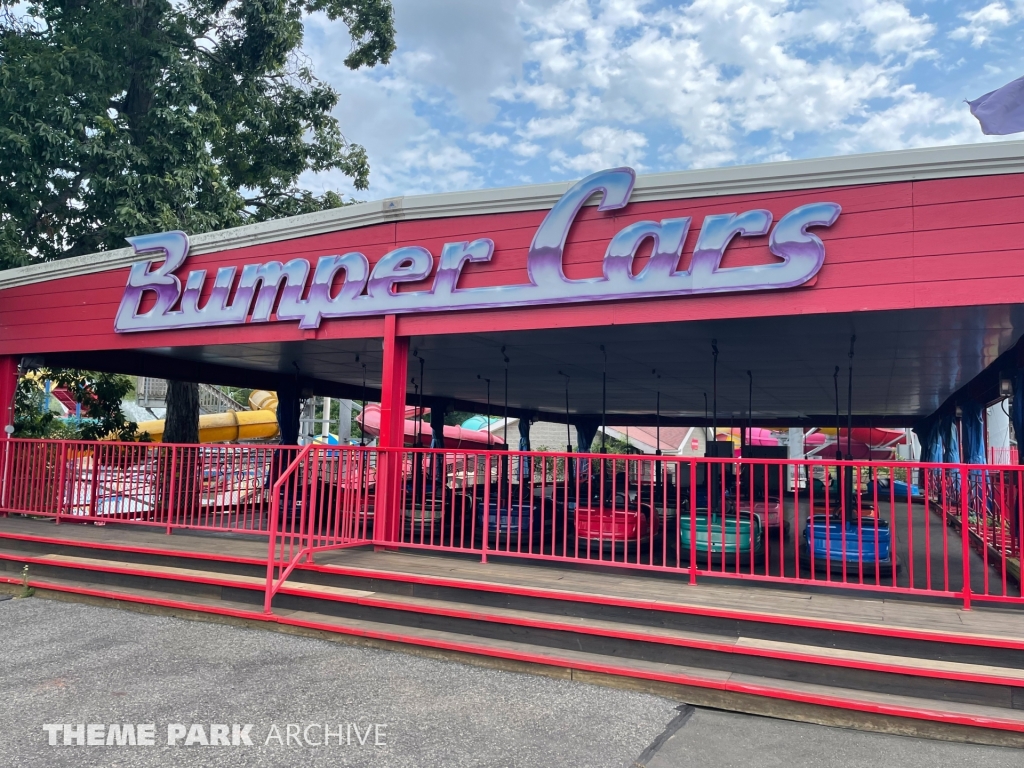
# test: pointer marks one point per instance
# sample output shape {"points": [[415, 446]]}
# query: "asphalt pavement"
{"points": [[730, 740], [69, 671]]}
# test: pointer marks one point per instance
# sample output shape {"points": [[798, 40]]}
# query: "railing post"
{"points": [[5, 474], [275, 513], [486, 528], [313, 483], [94, 480], [172, 495], [61, 490], [693, 520], [965, 534]]}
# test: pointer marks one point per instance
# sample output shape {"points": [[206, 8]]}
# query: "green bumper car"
{"points": [[725, 536]]}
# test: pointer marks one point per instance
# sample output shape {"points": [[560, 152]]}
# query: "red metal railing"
{"points": [[892, 527], [1003, 455], [216, 487], [888, 527], [324, 499]]}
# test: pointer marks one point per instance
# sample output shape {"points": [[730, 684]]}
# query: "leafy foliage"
{"points": [[100, 395], [31, 417], [122, 118], [611, 445]]}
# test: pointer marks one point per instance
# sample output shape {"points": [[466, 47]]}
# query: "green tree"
{"points": [[124, 117], [99, 394]]}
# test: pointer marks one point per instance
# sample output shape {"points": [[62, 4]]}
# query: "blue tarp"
{"points": [[586, 431], [973, 424], [526, 466], [437, 427], [524, 434], [931, 441], [950, 440]]}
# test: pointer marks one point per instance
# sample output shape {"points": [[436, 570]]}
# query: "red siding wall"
{"points": [[950, 242]]}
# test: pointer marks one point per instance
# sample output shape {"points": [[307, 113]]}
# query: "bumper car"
{"points": [[769, 511], [422, 517], [836, 544], [897, 488], [725, 536], [612, 525], [513, 520]]}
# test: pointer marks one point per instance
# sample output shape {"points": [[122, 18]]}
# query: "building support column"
{"points": [[289, 403], [387, 528], [8, 386]]}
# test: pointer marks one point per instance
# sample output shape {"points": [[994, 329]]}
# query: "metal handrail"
{"points": [[275, 514]]}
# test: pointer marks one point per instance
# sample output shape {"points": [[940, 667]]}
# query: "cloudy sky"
{"points": [[485, 93]]}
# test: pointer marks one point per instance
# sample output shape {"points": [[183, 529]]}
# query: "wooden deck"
{"points": [[115, 535], [886, 614]]}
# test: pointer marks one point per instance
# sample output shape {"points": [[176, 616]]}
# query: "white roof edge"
{"points": [[998, 157]]}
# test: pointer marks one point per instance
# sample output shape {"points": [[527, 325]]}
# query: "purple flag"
{"points": [[1001, 111]]}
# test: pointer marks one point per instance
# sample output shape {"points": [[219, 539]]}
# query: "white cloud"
{"points": [[982, 23], [715, 70], [544, 127], [909, 123], [491, 93], [526, 149], [608, 147], [894, 28], [489, 140], [463, 48]]}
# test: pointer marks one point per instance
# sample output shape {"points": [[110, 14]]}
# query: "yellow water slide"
{"points": [[260, 423]]}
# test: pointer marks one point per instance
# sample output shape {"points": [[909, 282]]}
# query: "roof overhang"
{"points": [[990, 158], [906, 364]]}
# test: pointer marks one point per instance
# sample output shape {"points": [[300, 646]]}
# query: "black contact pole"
{"points": [[604, 396], [568, 435], [850, 495], [839, 445], [419, 421], [705, 418], [657, 439], [849, 404], [362, 413], [505, 433], [717, 472], [750, 407], [504, 457], [488, 409], [714, 397], [657, 411]]}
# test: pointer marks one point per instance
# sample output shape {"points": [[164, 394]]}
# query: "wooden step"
{"points": [[745, 693], [861, 612], [737, 645], [998, 683], [874, 615]]}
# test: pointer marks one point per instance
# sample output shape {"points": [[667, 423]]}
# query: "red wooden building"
{"points": [[601, 301]]}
